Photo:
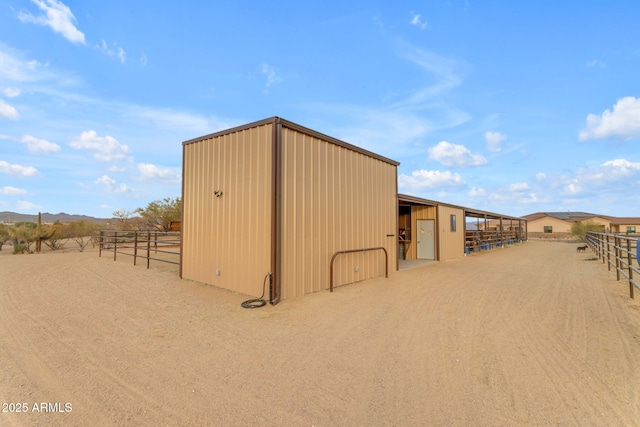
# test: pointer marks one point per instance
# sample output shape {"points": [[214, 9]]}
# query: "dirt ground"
{"points": [[534, 334]]}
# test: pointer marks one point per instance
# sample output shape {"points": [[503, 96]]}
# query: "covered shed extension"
{"points": [[438, 231]]}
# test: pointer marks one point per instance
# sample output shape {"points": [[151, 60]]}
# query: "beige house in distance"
{"points": [[558, 224]]}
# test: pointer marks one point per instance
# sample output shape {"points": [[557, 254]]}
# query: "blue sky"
{"points": [[505, 106]]}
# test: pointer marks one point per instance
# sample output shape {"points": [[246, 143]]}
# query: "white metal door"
{"points": [[426, 239]]}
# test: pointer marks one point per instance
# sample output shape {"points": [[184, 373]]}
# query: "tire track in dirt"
{"points": [[560, 335], [50, 342], [529, 335]]}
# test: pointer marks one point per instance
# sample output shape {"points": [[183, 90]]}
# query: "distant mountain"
{"points": [[47, 217]]}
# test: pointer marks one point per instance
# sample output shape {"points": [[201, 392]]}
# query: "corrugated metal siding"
{"points": [[333, 199], [230, 233], [450, 243], [419, 212]]}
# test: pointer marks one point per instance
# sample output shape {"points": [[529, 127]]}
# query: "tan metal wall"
{"points": [[333, 199], [230, 233], [450, 243], [419, 212]]}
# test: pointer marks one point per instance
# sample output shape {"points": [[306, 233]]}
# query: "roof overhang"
{"points": [[468, 212]]}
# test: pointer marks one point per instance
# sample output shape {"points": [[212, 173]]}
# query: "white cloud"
{"points": [[13, 68], [613, 177], [175, 120], [622, 167], [105, 148], [397, 126], [541, 176], [444, 71], [12, 191], [623, 122], [23, 205], [113, 51], [272, 77], [153, 172], [143, 60], [8, 112], [455, 155], [111, 186], [39, 146], [17, 170], [494, 141], [520, 186], [572, 188], [424, 179], [10, 92], [477, 192], [619, 172], [417, 21], [58, 17], [595, 63]]}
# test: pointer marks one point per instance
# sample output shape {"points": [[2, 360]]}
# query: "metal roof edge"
{"points": [[336, 141], [427, 202], [231, 130], [298, 128]]}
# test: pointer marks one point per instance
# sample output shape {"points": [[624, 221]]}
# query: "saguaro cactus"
{"points": [[40, 236]]}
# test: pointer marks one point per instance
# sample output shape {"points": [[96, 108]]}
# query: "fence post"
{"points": [[100, 244], [135, 247], [148, 248], [115, 244], [630, 266], [617, 253]]}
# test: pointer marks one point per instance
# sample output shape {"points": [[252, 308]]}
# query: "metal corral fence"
{"points": [[163, 246], [619, 252], [476, 241]]}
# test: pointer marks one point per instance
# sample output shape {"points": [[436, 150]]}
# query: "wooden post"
{"points": [[148, 247], [100, 244], [617, 254], [115, 244], [630, 266], [135, 247]]}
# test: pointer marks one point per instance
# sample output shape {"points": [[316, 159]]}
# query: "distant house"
{"points": [[558, 224], [626, 225]]}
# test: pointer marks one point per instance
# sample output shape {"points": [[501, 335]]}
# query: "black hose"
{"points": [[257, 302]]}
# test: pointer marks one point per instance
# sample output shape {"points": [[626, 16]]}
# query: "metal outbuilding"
{"points": [[275, 204]]}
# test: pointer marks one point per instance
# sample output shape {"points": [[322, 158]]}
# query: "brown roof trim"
{"points": [[230, 130], [468, 211], [416, 200], [625, 220], [324, 137], [298, 128]]}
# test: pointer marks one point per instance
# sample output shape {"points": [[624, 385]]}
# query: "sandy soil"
{"points": [[534, 334]]}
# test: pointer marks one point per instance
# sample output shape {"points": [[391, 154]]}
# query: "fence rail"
{"points": [[618, 252], [162, 246], [476, 241]]}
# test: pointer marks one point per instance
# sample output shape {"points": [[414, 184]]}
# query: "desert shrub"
{"points": [[20, 248], [83, 233], [159, 214], [579, 229]]}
